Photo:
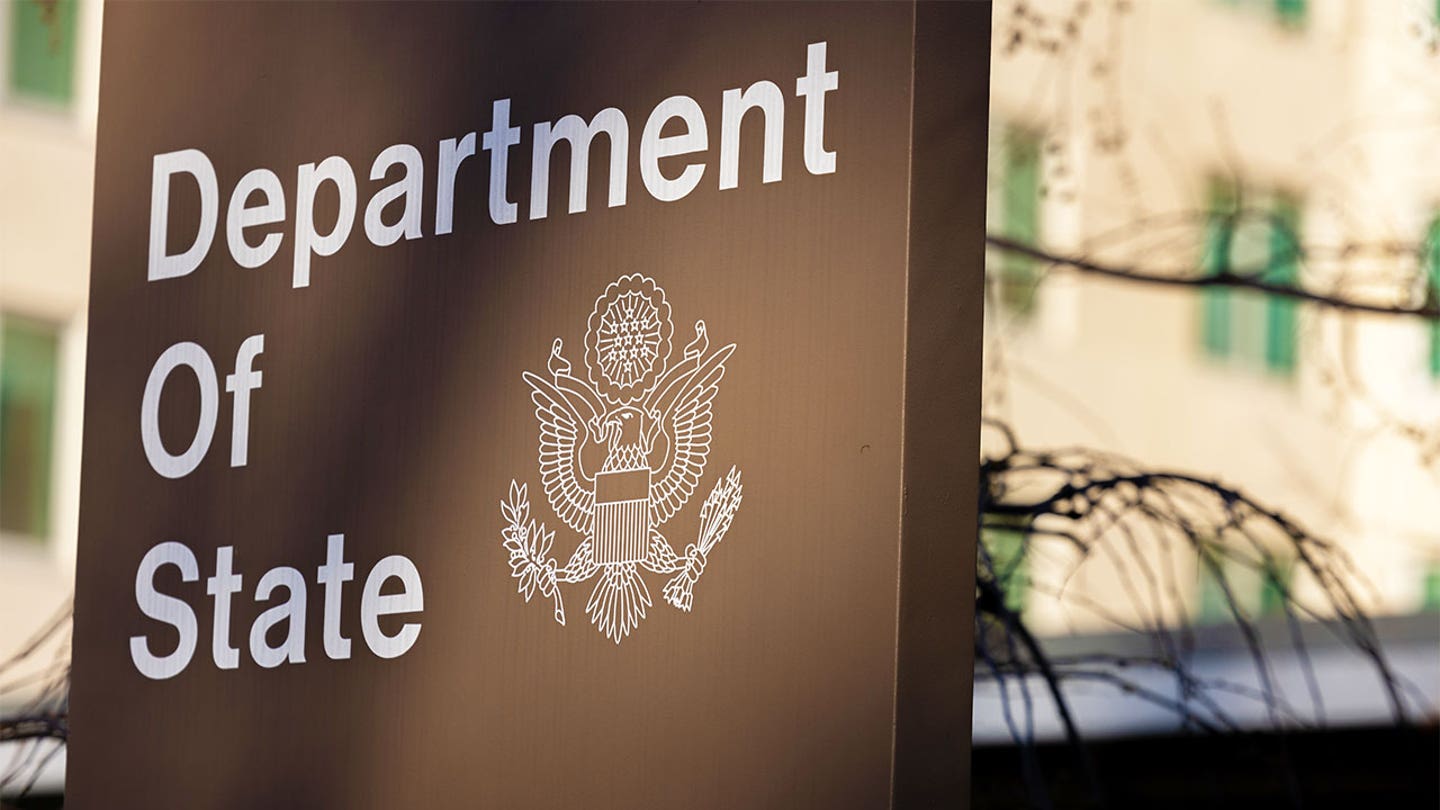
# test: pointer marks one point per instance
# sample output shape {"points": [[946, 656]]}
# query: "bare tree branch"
{"points": [[39, 728], [1430, 309]]}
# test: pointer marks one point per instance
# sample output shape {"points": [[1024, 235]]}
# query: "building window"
{"points": [[1014, 212], [1288, 13], [1257, 591], [1256, 235], [28, 354], [42, 50]]}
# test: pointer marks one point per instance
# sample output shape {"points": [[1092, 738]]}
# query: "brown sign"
{"points": [[540, 406]]}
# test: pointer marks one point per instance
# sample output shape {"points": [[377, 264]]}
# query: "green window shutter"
{"points": [[1272, 592], [1006, 548], [42, 49], [1215, 325], [1211, 606], [1291, 13], [1283, 268], [1431, 587], [1215, 322], [1434, 349], [1020, 218], [28, 354]]}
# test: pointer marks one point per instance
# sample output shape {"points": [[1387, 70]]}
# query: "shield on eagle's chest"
{"points": [[622, 516]]}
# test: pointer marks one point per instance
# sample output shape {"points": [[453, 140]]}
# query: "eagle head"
{"points": [[625, 427]]}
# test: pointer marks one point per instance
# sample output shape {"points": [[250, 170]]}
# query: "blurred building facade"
{"points": [[1127, 144], [50, 54], [49, 88], [1223, 135]]}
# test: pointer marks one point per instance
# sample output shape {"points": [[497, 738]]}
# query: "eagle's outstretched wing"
{"points": [[686, 425], [563, 432]]}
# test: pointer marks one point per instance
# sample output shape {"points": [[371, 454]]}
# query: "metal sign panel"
{"points": [[539, 406]]}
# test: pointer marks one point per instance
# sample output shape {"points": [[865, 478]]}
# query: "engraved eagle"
{"points": [[622, 452]]}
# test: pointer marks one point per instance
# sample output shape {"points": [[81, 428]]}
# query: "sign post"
{"points": [[540, 406]]}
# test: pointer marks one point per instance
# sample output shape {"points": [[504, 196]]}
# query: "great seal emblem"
{"points": [[621, 452]]}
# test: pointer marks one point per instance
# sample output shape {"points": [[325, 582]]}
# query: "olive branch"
{"points": [[529, 545]]}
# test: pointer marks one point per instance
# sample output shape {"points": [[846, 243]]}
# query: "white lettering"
{"points": [[411, 187], [224, 584], [653, 147], [573, 128], [292, 612], [452, 154], [766, 96], [240, 384], [194, 163], [335, 170], [240, 217], [161, 460], [373, 605], [333, 575], [812, 87], [497, 142], [258, 199], [167, 609]]}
